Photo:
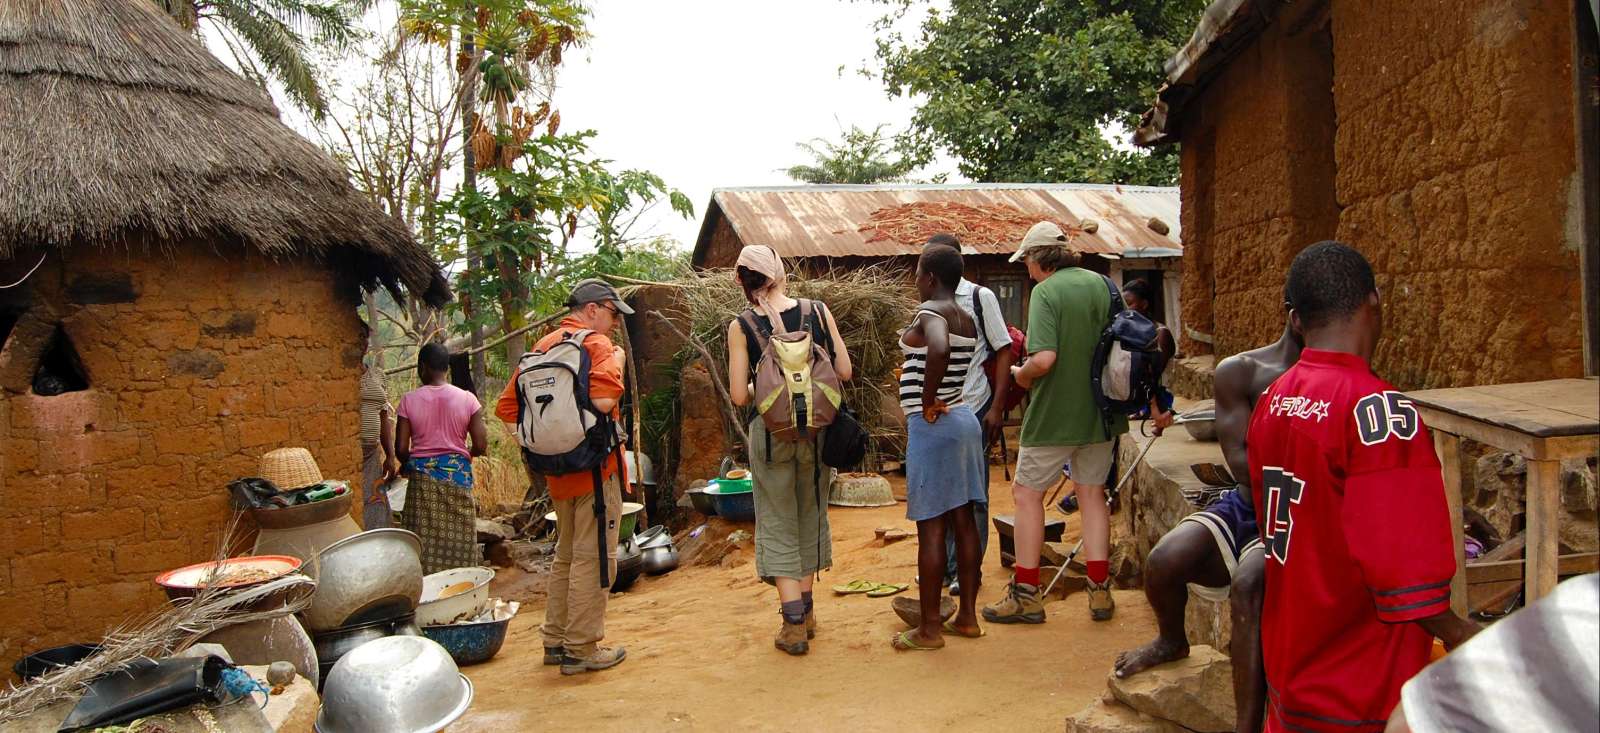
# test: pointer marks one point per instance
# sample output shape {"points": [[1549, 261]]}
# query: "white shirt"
{"points": [[994, 338]]}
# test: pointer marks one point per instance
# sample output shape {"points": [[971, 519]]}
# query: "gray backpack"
{"points": [[559, 428]]}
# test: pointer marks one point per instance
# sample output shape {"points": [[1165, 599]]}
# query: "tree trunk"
{"points": [[469, 183]]}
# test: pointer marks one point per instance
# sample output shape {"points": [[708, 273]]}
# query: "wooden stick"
{"points": [[497, 341], [637, 444], [716, 380], [634, 281]]}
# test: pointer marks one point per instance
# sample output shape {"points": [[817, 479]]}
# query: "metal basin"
{"points": [[1201, 424], [301, 515], [45, 661], [372, 576], [434, 610], [331, 646], [471, 643], [398, 684]]}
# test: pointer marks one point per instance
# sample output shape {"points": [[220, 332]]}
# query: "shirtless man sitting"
{"points": [[1217, 547]]}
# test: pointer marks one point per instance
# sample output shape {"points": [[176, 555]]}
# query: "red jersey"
{"points": [[1357, 537]]}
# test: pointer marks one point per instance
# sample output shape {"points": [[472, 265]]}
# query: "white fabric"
{"points": [[995, 338], [1535, 670]]}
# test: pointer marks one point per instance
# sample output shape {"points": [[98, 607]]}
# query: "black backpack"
{"points": [[1126, 371]]}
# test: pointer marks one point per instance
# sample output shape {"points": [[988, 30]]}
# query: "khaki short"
{"points": [[1039, 466]]}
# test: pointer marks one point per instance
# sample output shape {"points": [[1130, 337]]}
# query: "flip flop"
{"points": [[885, 590], [903, 642], [855, 586], [950, 628]]}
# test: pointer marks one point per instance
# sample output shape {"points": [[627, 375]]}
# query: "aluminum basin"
{"points": [[397, 684], [372, 576]]}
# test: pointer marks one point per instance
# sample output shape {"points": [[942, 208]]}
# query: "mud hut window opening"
{"points": [[60, 369]]}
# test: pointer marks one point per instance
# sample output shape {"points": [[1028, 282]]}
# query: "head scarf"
{"points": [[763, 259]]}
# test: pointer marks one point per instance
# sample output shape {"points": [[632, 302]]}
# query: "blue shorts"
{"points": [[1232, 523]]}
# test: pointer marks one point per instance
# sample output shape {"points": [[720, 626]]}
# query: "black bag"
{"points": [[147, 687], [844, 443], [1126, 371]]}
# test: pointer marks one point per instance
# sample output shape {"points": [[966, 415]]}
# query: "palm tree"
{"points": [[269, 39], [860, 156]]}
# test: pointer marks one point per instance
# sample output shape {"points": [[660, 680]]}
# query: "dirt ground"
{"points": [[700, 654]]}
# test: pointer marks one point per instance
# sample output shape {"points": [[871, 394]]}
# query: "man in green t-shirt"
{"points": [[1069, 308]]}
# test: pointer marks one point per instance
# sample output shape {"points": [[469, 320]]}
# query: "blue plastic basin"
{"points": [[734, 507]]}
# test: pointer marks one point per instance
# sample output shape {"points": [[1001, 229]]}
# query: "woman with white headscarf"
{"points": [[792, 538]]}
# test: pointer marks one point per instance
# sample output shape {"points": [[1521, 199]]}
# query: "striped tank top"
{"points": [[962, 349]]}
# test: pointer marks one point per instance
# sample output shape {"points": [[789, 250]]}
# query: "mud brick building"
{"points": [[1454, 143], [189, 270]]}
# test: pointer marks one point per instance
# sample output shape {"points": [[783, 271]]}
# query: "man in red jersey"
{"points": [[1352, 514]]}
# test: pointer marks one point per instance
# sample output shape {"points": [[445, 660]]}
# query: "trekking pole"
{"points": [[1071, 555]]}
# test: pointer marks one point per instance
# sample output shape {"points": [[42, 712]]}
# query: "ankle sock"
{"points": [[806, 598], [1027, 576], [794, 612], [1097, 570]]}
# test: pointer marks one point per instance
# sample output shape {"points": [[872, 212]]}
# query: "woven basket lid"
{"points": [[290, 468], [861, 490]]}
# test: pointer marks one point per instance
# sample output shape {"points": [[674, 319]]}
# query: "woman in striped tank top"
{"points": [[945, 467]]}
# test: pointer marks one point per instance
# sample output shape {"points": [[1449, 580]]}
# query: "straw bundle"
{"points": [[870, 305]]}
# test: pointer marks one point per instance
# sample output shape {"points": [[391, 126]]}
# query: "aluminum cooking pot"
{"points": [[660, 559]]}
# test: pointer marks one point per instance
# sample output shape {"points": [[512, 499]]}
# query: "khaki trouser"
{"points": [[575, 617]]}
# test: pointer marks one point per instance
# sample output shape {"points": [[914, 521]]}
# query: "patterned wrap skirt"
{"points": [[440, 510]]}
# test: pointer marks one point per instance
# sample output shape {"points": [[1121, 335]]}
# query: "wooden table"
{"points": [[1545, 423]]}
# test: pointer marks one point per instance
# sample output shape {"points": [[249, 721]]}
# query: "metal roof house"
{"points": [[832, 226]]}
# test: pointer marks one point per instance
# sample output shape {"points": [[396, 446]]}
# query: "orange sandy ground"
{"points": [[700, 654]]}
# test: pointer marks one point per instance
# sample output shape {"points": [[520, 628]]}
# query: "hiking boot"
{"points": [[1020, 606], [811, 624], [1101, 603], [552, 655], [601, 658], [792, 639]]}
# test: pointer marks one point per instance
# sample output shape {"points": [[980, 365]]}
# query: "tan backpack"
{"points": [[796, 390]]}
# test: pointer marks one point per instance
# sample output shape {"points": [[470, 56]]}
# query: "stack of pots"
{"points": [[368, 586]]}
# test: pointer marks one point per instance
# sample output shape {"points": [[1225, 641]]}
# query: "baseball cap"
{"points": [[595, 290], [1043, 234]]}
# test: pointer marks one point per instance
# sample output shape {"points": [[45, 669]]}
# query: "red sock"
{"points": [[1097, 570], [1027, 576]]}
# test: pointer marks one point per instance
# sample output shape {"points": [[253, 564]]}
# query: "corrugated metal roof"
{"points": [[826, 221]]}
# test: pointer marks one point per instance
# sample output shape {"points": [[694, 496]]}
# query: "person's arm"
{"points": [[605, 373], [841, 355], [402, 439], [936, 334], [1449, 628], [506, 407], [995, 420], [1043, 339], [479, 433], [1231, 388], [1039, 363], [738, 365], [391, 464]]}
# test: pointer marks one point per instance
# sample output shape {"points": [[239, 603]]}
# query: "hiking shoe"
{"points": [[553, 655], [811, 624], [792, 639], [601, 658], [1101, 604], [1020, 606]]}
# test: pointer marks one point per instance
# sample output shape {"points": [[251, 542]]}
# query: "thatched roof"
{"points": [[116, 126]]}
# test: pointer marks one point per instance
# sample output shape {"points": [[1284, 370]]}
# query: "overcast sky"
{"points": [[716, 93]]}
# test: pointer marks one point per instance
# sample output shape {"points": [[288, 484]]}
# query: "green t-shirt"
{"points": [[1066, 314]]}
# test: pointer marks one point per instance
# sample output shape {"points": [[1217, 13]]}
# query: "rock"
{"points": [[280, 673], [1158, 226], [1072, 581], [1089, 226], [717, 540], [1196, 693], [490, 530], [1499, 487], [499, 554], [1208, 618], [294, 710], [1114, 717]]}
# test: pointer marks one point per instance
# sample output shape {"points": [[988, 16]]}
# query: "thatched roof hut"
{"points": [[115, 123], [188, 273]]}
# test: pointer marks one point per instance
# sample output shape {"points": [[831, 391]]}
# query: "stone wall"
{"points": [[196, 366], [1446, 130]]}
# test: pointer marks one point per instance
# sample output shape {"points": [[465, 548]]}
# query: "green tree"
{"points": [[1033, 90], [271, 40], [860, 156]]}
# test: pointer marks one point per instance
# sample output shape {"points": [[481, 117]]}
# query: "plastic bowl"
{"points": [[433, 610], [735, 506], [733, 486], [702, 501]]}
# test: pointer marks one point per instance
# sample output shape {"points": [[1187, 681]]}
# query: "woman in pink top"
{"points": [[431, 442]]}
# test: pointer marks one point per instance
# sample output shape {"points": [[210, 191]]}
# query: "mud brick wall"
{"points": [[1450, 147], [196, 366]]}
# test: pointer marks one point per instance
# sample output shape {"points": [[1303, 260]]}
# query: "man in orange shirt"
{"points": [[574, 619]]}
